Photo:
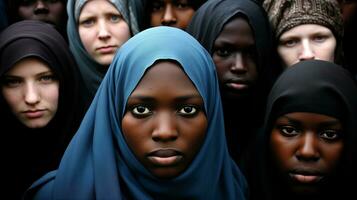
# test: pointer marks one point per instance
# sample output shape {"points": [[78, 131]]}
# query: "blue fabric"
{"points": [[98, 163]]}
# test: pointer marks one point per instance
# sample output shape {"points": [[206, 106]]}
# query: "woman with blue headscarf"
{"points": [[101, 163]]}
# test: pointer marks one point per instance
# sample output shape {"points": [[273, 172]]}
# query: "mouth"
{"points": [[107, 49], [306, 177], [33, 114], [165, 157]]}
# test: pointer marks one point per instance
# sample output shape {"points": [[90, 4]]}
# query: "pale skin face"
{"points": [[49, 11], [102, 30], [307, 42], [306, 148], [165, 124], [31, 90], [175, 13]]}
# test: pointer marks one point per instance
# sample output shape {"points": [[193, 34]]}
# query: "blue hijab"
{"points": [[98, 164], [91, 71]]}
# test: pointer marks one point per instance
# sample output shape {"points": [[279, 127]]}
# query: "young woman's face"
{"points": [[307, 148], [31, 90], [175, 13], [102, 30], [164, 123], [234, 54], [49, 11], [307, 42]]}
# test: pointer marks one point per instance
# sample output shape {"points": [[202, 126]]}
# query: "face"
{"points": [[175, 13], [165, 124], [349, 10], [31, 90], [49, 11], [306, 147], [102, 30], [306, 42], [234, 54]]}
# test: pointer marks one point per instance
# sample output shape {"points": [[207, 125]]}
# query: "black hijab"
{"points": [[32, 152], [317, 87], [244, 116]]}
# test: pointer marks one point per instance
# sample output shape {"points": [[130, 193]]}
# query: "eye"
{"points": [[330, 135], [141, 111], [182, 4], [188, 110], [11, 82], [223, 52], [288, 131], [157, 5], [289, 42], [47, 78], [87, 22], [115, 18], [320, 38]]}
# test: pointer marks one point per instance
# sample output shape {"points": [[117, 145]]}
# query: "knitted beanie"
{"points": [[287, 14]]}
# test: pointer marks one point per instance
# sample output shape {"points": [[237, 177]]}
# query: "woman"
{"points": [[307, 147], [175, 13], [238, 37], [306, 30], [104, 161], [40, 101], [96, 29]]}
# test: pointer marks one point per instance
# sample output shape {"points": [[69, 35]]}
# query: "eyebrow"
{"points": [[177, 99], [325, 123], [38, 74]]}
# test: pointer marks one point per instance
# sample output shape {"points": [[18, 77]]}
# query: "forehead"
{"points": [[28, 66]]}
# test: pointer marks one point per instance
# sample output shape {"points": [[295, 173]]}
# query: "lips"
{"points": [[107, 49], [165, 157], [306, 177], [33, 114], [237, 84]]}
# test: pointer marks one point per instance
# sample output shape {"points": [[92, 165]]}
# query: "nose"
{"points": [[165, 130], [32, 95], [308, 150], [307, 52], [238, 64], [103, 32], [169, 17], [40, 8]]}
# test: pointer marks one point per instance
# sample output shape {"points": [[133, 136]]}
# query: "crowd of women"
{"points": [[178, 99]]}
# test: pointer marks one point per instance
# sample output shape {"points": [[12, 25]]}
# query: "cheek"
{"points": [[121, 32], [332, 154], [12, 98], [155, 19], [134, 132], [281, 150], [87, 36], [52, 95], [194, 131]]}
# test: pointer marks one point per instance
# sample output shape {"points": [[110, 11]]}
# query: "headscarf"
{"points": [[211, 17], [312, 86], [206, 25], [39, 150], [91, 71], [98, 163]]}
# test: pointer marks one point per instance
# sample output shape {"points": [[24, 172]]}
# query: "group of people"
{"points": [[178, 99]]}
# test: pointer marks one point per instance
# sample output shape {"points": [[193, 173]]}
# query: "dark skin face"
{"points": [[234, 54], [165, 124], [306, 148], [175, 13], [49, 11]]}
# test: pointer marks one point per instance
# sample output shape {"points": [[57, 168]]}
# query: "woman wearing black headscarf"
{"points": [[307, 147], [237, 34], [35, 133]]}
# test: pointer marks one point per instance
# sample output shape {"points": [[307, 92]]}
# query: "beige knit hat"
{"points": [[287, 14]]}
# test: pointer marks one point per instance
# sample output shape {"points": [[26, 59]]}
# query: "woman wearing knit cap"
{"points": [[306, 29], [96, 29], [307, 148]]}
